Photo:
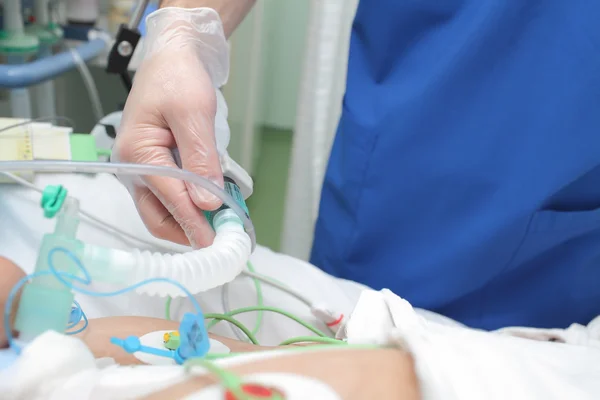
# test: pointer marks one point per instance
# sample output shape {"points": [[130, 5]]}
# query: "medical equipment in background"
{"points": [[49, 35], [82, 12], [125, 44], [19, 45], [119, 13], [319, 107], [41, 140]]}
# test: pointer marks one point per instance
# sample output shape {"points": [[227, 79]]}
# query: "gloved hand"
{"points": [[172, 104]]}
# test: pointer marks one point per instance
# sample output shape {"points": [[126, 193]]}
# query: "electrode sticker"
{"points": [[157, 340], [288, 386]]}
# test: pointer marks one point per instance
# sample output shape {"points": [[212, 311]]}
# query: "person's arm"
{"points": [[383, 374], [232, 12]]}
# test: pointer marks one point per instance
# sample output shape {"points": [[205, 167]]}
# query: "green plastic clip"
{"points": [[53, 198], [171, 340]]}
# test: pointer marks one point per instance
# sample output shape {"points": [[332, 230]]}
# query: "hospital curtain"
{"points": [[318, 111]]}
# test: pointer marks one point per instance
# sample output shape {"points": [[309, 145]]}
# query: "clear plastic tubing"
{"points": [[133, 169]]}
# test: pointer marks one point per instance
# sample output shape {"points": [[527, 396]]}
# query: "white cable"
{"points": [[277, 285], [95, 219], [227, 309], [138, 14], [89, 83], [331, 317]]}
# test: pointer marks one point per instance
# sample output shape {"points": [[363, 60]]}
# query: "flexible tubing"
{"points": [[28, 74], [134, 169], [198, 270], [89, 83], [138, 14]]}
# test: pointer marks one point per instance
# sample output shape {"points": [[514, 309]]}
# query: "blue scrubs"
{"points": [[465, 174]]}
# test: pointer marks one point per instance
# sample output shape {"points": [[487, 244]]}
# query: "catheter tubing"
{"points": [[133, 169], [28, 74]]}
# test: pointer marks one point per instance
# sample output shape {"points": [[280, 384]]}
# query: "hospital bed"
{"points": [[448, 356], [22, 226]]}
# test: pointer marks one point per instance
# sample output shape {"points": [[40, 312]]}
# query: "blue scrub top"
{"points": [[465, 174]]}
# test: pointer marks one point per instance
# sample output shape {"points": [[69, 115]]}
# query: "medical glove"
{"points": [[173, 104]]}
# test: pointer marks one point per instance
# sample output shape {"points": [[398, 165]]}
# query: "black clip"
{"points": [[121, 53]]}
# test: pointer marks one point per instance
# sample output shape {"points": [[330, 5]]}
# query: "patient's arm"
{"points": [[383, 374]]}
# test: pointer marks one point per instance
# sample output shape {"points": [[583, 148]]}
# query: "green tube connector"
{"points": [[18, 43], [53, 199], [48, 35]]}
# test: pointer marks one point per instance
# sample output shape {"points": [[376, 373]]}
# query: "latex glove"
{"points": [[172, 105]]}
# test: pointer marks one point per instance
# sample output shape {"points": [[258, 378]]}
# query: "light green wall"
{"points": [[285, 31], [238, 94], [283, 26]]}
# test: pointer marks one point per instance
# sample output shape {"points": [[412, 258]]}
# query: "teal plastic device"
{"points": [[45, 302]]}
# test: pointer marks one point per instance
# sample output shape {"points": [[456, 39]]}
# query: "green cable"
{"points": [[259, 299], [231, 320], [213, 323], [104, 152], [168, 308], [275, 310], [312, 339], [260, 308]]}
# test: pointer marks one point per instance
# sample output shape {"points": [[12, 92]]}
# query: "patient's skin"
{"points": [[355, 374], [382, 374]]}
